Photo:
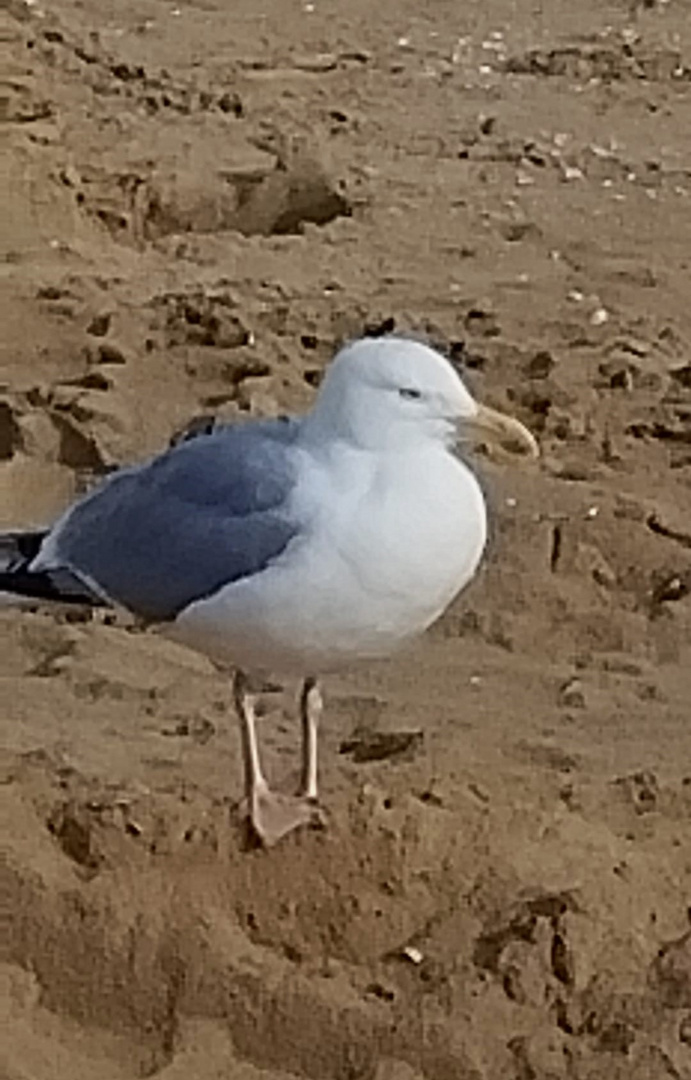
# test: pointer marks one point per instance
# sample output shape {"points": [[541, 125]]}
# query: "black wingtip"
{"points": [[20, 547], [17, 551], [47, 586]]}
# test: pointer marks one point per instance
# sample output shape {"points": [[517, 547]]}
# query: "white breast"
{"points": [[386, 551]]}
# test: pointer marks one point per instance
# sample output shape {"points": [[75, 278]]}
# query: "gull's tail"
{"points": [[20, 584]]}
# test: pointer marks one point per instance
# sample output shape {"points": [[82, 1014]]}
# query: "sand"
{"points": [[203, 201]]}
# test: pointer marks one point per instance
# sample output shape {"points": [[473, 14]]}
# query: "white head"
{"points": [[390, 393]]}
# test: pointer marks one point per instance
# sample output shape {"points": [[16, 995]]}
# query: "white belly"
{"points": [[377, 567]]}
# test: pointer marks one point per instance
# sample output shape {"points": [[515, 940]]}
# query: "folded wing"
{"points": [[157, 537]]}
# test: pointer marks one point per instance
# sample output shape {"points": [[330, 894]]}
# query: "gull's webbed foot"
{"points": [[271, 815]]}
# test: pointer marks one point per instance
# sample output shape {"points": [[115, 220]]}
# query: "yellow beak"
{"points": [[505, 430]]}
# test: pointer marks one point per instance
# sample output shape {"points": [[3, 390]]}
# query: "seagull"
{"points": [[289, 546]]}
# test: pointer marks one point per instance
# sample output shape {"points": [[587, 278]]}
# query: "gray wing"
{"points": [[207, 512]]}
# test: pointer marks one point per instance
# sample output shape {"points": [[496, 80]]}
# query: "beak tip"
{"points": [[509, 432], [532, 446]]}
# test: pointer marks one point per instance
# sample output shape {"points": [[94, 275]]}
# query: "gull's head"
{"points": [[392, 393]]}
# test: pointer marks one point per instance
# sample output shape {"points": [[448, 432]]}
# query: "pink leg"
{"points": [[311, 708], [271, 814]]}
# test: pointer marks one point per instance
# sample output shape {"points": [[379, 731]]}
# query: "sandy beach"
{"points": [[203, 201]]}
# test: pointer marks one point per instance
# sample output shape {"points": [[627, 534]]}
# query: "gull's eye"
{"points": [[409, 393]]}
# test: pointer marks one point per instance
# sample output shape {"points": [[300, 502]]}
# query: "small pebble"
{"points": [[571, 694], [413, 954]]}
